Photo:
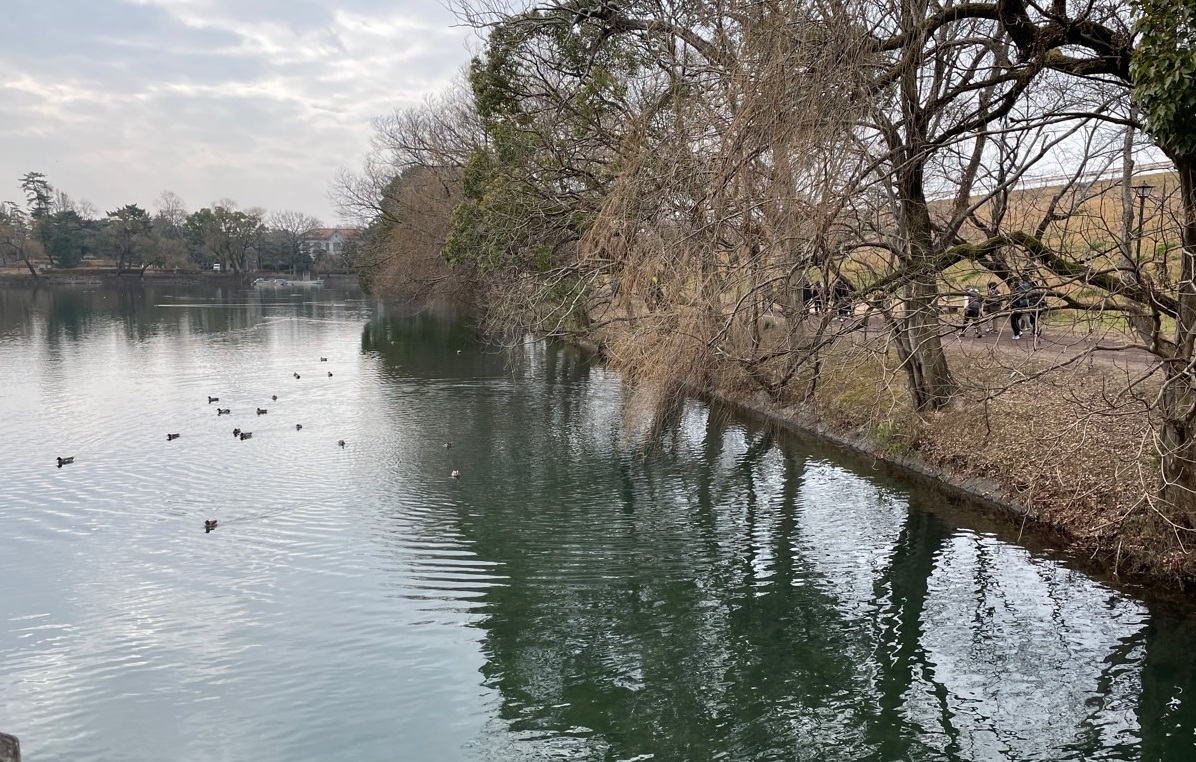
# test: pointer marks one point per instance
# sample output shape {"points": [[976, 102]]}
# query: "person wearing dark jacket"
{"points": [[842, 294], [971, 311], [1026, 301]]}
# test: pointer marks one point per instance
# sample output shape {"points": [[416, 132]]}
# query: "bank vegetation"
{"points": [[784, 202]]}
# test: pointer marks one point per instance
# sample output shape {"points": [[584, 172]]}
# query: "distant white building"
{"points": [[328, 242]]}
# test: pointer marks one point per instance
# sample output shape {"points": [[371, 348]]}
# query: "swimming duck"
{"points": [[296, 375], [274, 397], [323, 359], [65, 461], [448, 445], [298, 426], [209, 525], [341, 443], [170, 437], [246, 435], [236, 432], [213, 399], [330, 374], [262, 411], [223, 411], [455, 474]]}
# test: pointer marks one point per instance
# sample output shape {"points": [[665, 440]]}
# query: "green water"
{"points": [[722, 593]]}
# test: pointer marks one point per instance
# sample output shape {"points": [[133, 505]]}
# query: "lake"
{"points": [[723, 592]]}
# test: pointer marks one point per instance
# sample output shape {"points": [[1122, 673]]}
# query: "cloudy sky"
{"points": [[260, 101]]}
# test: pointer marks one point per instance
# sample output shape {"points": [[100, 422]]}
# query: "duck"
{"points": [[296, 375], [330, 374], [274, 398], [262, 411], [455, 474], [323, 359], [341, 443], [298, 426], [447, 445], [209, 525], [236, 432], [246, 435], [170, 437], [65, 461], [213, 399], [223, 411]]}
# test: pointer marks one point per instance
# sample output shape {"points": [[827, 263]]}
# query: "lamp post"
{"points": [[1143, 191]]}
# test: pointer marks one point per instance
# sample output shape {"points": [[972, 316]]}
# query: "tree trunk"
{"points": [[1127, 200], [1142, 323], [929, 379], [1177, 404], [925, 365], [32, 270]]}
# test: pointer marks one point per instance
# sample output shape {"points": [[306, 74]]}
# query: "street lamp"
{"points": [[1143, 191]]}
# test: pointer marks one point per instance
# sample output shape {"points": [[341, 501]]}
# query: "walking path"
{"points": [[1057, 342]]}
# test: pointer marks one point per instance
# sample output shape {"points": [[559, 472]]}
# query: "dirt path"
{"points": [[1056, 343]]}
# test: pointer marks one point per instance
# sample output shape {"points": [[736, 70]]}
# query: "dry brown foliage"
{"points": [[403, 260]]}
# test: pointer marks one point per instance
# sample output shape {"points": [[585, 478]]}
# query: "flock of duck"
{"points": [[210, 524]]}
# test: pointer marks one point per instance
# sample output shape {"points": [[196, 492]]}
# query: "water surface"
{"points": [[728, 593]]}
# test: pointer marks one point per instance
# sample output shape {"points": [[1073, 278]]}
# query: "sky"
{"points": [[259, 101]]}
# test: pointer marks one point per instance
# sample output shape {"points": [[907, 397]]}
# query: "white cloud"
{"points": [[257, 100]]}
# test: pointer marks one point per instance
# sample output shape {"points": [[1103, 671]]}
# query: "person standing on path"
{"points": [[1019, 304], [841, 291], [1028, 299], [971, 311], [1038, 304], [992, 305]]}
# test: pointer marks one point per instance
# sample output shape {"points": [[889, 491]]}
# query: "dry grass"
{"points": [[1059, 442]]}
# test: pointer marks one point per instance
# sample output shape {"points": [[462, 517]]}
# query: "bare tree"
{"points": [[170, 215], [439, 136], [407, 192], [288, 228], [16, 237]]}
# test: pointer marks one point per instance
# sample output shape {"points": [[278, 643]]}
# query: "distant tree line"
{"points": [[51, 227]]}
